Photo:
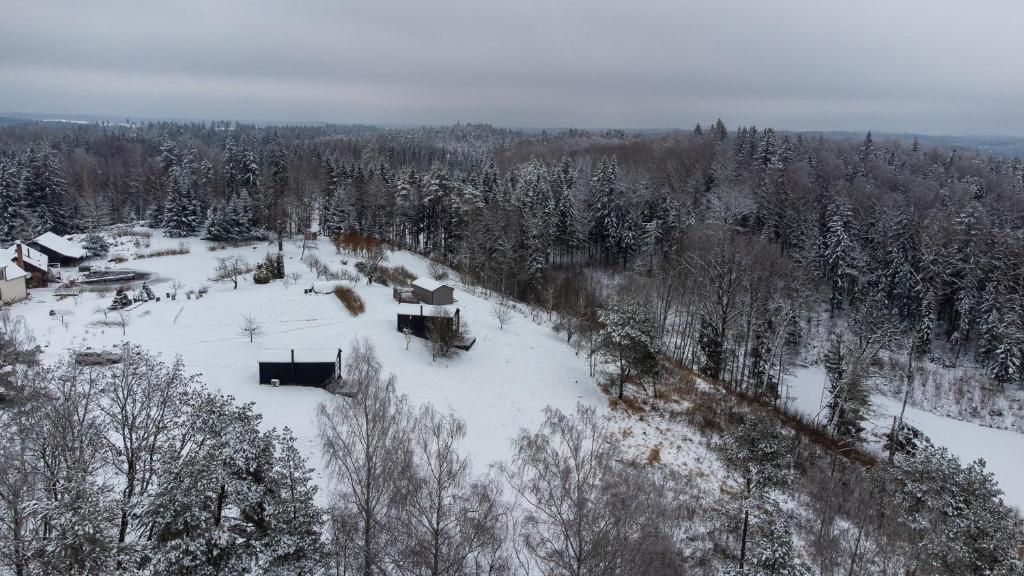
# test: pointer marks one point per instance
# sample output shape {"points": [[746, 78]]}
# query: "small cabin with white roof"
{"points": [[13, 285], [434, 292]]}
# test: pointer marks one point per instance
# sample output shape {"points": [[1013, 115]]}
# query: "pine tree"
{"points": [[759, 366], [43, 192], [11, 216], [712, 349], [294, 522], [719, 131], [181, 209], [848, 398], [840, 253], [924, 333], [629, 340]]}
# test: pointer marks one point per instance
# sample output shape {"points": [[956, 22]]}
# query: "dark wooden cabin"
{"points": [[318, 374]]}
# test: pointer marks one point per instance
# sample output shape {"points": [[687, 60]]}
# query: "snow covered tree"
{"points": [[43, 191], [294, 544], [758, 455], [182, 209], [629, 341], [839, 254], [233, 220], [848, 396], [11, 206], [772, 551], [924, 332], [951, 516], [209, 512], [712, 348]]}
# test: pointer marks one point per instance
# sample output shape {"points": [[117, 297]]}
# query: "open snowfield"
{"points": [[499, 387], [1001, 449]]}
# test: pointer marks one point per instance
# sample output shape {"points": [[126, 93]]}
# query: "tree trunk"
{"points": [[743, 540], [856, 548]]}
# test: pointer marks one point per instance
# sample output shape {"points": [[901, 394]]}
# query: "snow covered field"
{"points": [[499, 387], [1001, 449]]}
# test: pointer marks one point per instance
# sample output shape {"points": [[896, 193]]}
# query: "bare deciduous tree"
{"points": [[124, 318], [229, 269], [585, 510], [455, 523], [365, 441], [251, 327], [503, 312]]}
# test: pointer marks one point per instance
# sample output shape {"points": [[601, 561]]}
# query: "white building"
{"points": [[12, 283]]}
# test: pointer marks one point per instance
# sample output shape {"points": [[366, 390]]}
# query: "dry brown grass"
{"points": [[654, 456], [181, 248], [355, 243], [627, 404], [352, 301]]}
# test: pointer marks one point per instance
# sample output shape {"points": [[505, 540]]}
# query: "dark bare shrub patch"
{"points": [[352, 301]]}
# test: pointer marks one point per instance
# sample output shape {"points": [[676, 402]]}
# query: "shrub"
{"points": [[181, 248], [262, 275], [395, 276], [438, 271], [352, 301]]}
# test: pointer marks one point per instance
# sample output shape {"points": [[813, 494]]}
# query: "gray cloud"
{"points": [[911, 65]]}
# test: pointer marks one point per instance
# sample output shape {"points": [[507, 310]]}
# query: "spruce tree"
{"points": [[181, 216]]}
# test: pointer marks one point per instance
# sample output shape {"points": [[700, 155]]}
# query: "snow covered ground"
{"points": [[499, 387], [1001, 449]]}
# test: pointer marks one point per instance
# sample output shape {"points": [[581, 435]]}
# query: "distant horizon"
{"points": [[99, 118]]}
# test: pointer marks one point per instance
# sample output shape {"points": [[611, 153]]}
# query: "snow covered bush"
{"points": [[121, 301]]}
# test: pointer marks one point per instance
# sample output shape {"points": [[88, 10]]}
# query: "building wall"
{"points": [[13, 290], [440, 297]]}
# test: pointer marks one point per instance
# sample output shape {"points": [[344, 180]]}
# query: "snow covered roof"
{"points": [[61, 245], [11, 271], [428, 284], [301, 355], [33, 258], [428, 309]]}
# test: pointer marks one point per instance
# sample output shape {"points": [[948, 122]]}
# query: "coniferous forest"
{"points": [[705, 265]]}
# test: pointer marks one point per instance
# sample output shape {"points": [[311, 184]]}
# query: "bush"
{"points": [[438, 271], [395, 276], [352, 301], [262, 275]]}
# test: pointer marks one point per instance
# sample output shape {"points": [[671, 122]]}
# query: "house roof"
{"points": [[280, 355], [33, 258], [11, 271], [427, 309], [60, 245], [428, 284]]}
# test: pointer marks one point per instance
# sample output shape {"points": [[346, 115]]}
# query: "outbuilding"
{"points": [[433, 292], [59, 250], [315, 368], [13, 285]]}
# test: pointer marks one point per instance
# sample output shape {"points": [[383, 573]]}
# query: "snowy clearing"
{"points": [[967, 440], [499, 387]]}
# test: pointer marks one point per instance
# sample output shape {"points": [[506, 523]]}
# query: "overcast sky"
{"points": [[926, 66]]}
